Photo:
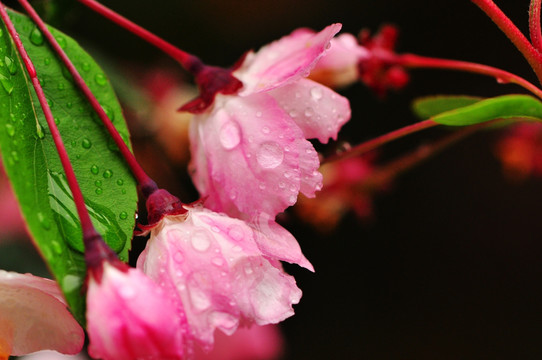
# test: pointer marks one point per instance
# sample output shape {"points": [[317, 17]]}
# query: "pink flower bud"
{"points": [[130, 317], [34, 316]]}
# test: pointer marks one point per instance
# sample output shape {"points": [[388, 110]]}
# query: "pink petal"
{"points": [[284, 60], [249, 157], [215, 268], [254, 343], [129, 317], [319, 111], [33, 316], [276, 242]]}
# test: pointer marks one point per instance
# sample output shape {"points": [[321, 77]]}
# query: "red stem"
{"points": [[146, 184], [89, 232], [381, 140], [190, 62], [534, 24], [415, 61], [513, 33]]}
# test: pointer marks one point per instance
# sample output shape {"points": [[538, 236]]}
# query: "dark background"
{"points": [[450, 267]]}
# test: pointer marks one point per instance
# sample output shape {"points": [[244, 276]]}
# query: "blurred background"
{"points": [[446, 261]]}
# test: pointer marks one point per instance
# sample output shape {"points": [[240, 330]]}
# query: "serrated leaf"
{"points": [[34, 168], [501, 107], [429, 106]]}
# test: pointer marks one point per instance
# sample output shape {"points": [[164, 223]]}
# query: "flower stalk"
{"points": [[534, 24], [146, 184], [513, 33]]}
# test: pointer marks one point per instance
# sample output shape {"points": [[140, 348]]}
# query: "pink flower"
{"points": [[220, 273], [130, 317], [339, 66], [34, 316], [250, 155], [253, 343]]}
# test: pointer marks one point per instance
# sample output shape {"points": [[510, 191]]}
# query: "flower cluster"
{"points": [[216, 264]]}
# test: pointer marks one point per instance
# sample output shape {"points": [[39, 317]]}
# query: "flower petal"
{"points": [[34, 316], [319, 111], [127, 313], [249, 157], [284, 60]]}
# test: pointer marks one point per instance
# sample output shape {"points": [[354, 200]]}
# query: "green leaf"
{"points": [[501, 107], [429, 106], [33, 165]]}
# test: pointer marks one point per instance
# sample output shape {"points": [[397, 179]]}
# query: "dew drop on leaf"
{"points": [[98, 183], [57, 248], [107, 174], [36, 37], [44, 222], [61, 41], [100, 79], [123, 215], [99, 191], [120, 182], [10, 129], [86, 143], [10, 65], [94, 169], [6, 84], [46, 61], [85, 66]]}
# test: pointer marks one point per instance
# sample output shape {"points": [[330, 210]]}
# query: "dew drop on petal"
{"points": [[316, 93], [230, 135], [218, 261], [200, 241], [270, 155]]}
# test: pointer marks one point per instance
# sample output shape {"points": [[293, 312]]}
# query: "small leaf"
{"points": [[429, 106], [501, 107], [33, 165]]}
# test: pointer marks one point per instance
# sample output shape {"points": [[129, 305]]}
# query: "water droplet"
{"points": [[120, 182], [270, 155], [293, 113], [57, 247], [123, 191], [36, 37], [282, 184], [61, 86], [259, 114], [69, 105], [201, 240], [107, 174], [123, 215], [266, 130], [100, 79], [248, 270], [85, 66], [71, 283], [316, 93], [15, 156], [309, 112], [262, 186], [6, 84], [10, 65], [230, 135], [39, 131], [73, 143], [10, 130], [99, 191], [109, 112], [1, 33], [236, 233], [86, 143], [94, 169], [61, 41], [98, 183], [44, 222], [46, 61]]}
